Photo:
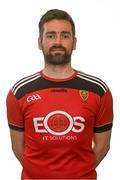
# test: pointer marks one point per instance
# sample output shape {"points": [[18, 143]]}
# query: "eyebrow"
{"points": [[62, 32]]}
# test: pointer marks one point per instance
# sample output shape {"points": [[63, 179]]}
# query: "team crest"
{"points": [[84, 94]]}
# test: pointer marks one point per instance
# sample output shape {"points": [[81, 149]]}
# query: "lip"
{"points": [[57, 49]]}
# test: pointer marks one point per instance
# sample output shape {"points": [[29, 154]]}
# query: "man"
{"points": [[60, 119]]}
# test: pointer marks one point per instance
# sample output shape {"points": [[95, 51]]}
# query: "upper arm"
{"points": [[102, 139], [17, 139], [16, 124], [103, 123], [101, 145]]}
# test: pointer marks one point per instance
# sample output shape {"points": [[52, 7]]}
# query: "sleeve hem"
{"points": [[17, 128], [104, 128]]}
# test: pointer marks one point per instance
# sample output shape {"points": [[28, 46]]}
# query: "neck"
{"points": [[58, 71]]}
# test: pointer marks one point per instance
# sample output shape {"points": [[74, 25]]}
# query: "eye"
{"points": [[50, 36], [66, 36]]}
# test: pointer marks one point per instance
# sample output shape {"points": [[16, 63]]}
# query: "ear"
{"points": [[40, 42], [75, 42]]}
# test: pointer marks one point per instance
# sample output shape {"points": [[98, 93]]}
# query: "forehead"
{"points": [[57, 26]]}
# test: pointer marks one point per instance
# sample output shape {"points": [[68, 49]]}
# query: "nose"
{"points": [[58, 40]]}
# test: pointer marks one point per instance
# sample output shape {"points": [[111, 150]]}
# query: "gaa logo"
{"points": [[58, 123], [33, 97]]}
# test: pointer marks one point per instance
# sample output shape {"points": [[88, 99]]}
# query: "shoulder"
{"points": [[24, 83], [93, 82]]}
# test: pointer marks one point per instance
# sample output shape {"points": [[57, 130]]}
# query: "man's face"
{"points": [[57, 42]]}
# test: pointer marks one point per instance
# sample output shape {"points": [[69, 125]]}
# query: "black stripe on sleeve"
{"points": [[20, 129], [104, 128]]}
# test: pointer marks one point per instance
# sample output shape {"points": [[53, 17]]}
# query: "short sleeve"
{"points": [[14, 113], [104, 117]]}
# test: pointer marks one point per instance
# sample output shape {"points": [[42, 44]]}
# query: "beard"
{"points": [[57, 58]]}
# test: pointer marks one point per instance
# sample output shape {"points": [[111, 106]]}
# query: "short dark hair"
{"points": [[55, 14]]}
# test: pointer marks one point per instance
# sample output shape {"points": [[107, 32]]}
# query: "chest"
{"points": [[57, 113]]}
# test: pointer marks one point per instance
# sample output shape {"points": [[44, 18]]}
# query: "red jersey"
{"points": [[59, 118]]}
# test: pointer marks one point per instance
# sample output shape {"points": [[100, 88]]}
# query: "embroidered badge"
{"points": [[84, 94]]}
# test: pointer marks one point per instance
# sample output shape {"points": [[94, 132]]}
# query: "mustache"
{"points": [[57, 46]]}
